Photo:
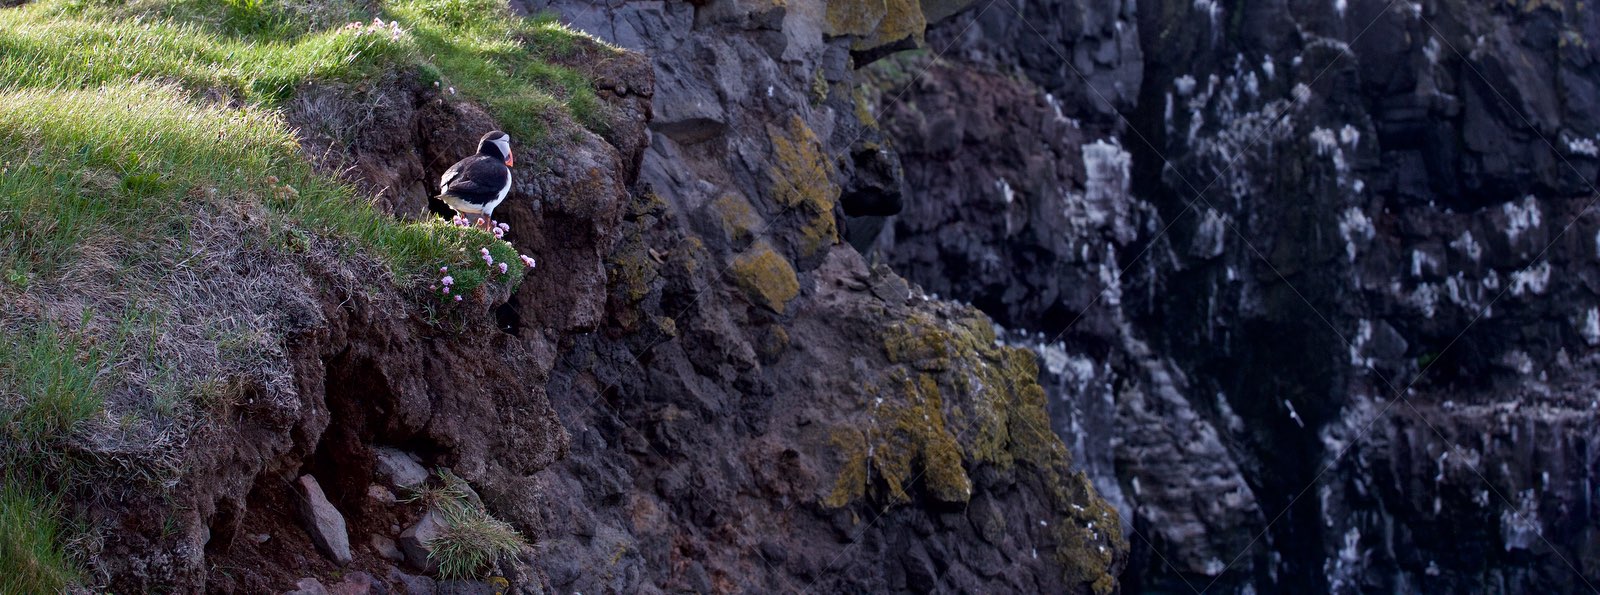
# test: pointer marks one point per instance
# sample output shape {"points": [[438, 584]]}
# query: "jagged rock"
{"points": [[380, 494], [322, 521], [308, 586], [471, 587], [387, 549], [401, 469], [414, 540], [355, 583], [412, 584]]}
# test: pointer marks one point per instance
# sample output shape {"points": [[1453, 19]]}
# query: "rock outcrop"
{"points": [[1329, 321], [762, 410]]}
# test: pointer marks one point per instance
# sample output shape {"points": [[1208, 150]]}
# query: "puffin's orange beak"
{"points": [[510, 159]]}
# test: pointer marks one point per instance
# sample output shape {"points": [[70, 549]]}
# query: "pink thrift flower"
{"points": [[499, 233], [444, 269], [527, 260], [503, 268], [448, 280], [444, 290], [458, 298], [505, 226]]}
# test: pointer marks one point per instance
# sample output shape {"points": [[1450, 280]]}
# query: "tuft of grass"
{"points": [[503, 61], [31, 557], [49, 383], [41, 47], [472, 540], [153, 153], [261, 50]]}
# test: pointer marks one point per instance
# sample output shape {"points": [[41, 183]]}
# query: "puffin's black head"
{"points": [[497, 145]]}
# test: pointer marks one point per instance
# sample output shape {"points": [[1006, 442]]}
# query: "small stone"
{"points": [[355, 583], [412, 584], [323, 522], [308, 586], [414, 540], [490, 587], [401, 469], [387, 549], [380, 494], [261, 538]]}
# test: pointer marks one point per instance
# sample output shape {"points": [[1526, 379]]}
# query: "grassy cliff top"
{"points": [[156, 211]]}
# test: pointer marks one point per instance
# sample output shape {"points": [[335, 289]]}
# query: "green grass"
{"points": [[31, 558], [128, 128], [261, 52], [152, 153], [48, 384], [472, 540], [502, 61]]}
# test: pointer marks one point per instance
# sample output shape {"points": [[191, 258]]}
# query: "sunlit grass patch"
{"points": [[154, 155], [501, 60]]}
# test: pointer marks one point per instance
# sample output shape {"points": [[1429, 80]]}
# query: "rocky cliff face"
{"points": [[1314, 298], [762, 411], [1255, 297], [702, 386]]}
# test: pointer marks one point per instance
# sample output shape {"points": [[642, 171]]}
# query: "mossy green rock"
{"points": [[802, 185], [876, 23], [765, 276]]}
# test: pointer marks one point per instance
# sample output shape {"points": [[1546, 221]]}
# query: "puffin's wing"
{"points": [[449, 176], [477, 178], [466, 178]]}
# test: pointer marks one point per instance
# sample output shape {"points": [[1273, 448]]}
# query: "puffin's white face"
{"points": [[504, 143]]}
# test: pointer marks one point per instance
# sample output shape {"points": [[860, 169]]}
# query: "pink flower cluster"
{"points": [[445, 283], [378, 26]]}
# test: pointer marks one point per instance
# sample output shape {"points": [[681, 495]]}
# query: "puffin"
{"points": [[474, 186]]}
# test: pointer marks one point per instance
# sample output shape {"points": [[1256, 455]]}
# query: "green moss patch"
{"points": [[957, 400], [765, 276], [802, 185]]}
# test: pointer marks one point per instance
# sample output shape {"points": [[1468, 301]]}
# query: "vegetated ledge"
{"points": [[196, 316]]}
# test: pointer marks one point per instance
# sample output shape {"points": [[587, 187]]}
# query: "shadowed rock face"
{"points": [[1375, 216], [762, 411]]}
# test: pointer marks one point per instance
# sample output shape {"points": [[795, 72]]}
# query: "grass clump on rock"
{"points": [[471, 540]]}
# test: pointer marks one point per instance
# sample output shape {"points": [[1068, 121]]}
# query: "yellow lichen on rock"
{"points": [[943, 470], [765, 276], [801, 182], [1088, 540], [851, 484], [736, 217], [876, 23]]}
